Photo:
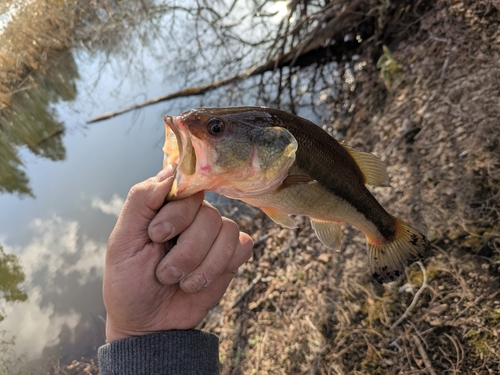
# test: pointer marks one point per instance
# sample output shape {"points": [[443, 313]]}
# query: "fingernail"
{"points": [[194, 283], [170, 275], [161, 232], [165, 173]]}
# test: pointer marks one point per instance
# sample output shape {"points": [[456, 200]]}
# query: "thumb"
{"points": [[143, 202]]}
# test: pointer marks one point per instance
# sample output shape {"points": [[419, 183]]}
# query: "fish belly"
{"points": [[317, 203]]}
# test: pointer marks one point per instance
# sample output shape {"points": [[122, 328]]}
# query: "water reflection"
{"points": [[63, 282], [10, 359], [31, 122]]}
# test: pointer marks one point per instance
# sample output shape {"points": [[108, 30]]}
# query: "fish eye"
{"points": [[215, 126]]}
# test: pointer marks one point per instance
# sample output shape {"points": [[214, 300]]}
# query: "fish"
{"points": [[287, 165]]}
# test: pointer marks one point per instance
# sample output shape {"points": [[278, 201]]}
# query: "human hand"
{"points": [[151, 284]]}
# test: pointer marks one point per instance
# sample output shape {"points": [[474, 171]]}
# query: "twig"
{"points": [[191, 91], [442, 76], [415, 298], [419, 334], [458, 350], [396, 345], [261, 239], [423, 354], [260, 351]]}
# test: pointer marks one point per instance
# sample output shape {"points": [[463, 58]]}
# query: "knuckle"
{"points": [[138, 190], [211, 213], [231, 229], [230, 225], [184, 257], [246, 246], [228, 249]]}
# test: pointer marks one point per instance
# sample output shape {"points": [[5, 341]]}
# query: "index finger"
{"points": [[142, 204]]}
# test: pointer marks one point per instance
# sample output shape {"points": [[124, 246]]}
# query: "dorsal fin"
{"points": [[373, 169]]}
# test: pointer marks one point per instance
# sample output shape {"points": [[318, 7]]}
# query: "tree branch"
{"points": [[314, 41]]}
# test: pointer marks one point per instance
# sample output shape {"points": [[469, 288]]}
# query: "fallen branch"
{"points": [[423, 354], [191, 91], [316, 40]]}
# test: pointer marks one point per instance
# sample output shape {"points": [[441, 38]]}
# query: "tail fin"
{"points": [[388, 259]]}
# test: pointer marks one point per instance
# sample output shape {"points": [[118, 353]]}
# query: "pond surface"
{"points": [[71, 178]]}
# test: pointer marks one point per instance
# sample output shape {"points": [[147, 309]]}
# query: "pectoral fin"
{"points": [[328, 232], [295, 179], [279, 217], [373, 169]]}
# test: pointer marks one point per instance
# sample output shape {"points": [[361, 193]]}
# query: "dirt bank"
{"points": [[297, 308]]}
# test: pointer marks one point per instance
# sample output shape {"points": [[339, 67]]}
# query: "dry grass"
{"points": [[27, 43], [82, 367], [299, 309], [41, 28]]}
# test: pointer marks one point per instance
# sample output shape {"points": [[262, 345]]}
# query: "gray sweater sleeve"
{"points": [[165, 353]]}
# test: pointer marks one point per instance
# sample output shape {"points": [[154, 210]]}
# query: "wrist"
{"points": [[114, 333]]}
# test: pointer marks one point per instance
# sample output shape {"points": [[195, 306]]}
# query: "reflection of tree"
{"points": [[11, 275], [9, 359], [215, 43], [30, 122]]}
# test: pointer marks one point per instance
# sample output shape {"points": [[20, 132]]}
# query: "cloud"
{"points": [[57, 263], [36, 327], [57, 248], [113, 207]]}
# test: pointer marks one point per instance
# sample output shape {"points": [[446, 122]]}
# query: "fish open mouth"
{"points": [[172, 147], [178, 148]]}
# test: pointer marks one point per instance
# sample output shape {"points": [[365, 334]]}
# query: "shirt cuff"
{"points": [[168, 352]]}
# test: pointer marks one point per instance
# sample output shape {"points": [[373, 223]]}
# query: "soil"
{"points": [[433, 116]]}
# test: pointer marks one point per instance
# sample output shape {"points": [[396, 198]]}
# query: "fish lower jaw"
{"points": [[185, 186]]}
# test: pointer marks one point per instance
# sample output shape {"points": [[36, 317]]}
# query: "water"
{"points": [[68, 180]]}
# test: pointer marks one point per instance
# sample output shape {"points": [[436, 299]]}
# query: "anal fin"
{"points": [[279, 217], [328, 232]]}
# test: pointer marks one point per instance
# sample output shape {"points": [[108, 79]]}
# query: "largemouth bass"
{"points": [[286, 165]]}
